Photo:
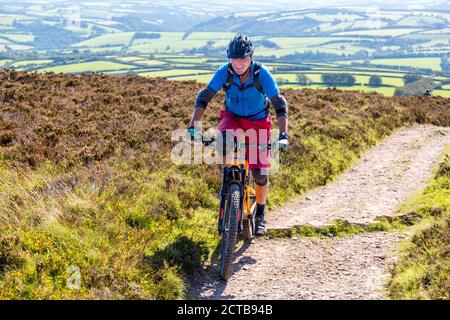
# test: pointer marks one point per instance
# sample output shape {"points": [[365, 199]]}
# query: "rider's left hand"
{"points": [[194, 134], [283, 142]]}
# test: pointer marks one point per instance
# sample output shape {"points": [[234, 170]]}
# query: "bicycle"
{"points": [[237, 207]]}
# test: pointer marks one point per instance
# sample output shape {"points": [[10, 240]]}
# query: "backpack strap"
{"points": [[229, 82], [256, 71]]}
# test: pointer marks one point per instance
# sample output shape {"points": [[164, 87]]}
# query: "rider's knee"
{"points": [[260, 176]]}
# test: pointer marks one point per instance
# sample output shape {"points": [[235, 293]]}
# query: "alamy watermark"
{"points": [[256, 146], [374, 18], [72, 15], [73, 281]]}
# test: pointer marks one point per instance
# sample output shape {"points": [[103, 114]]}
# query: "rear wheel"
{"points": [[229, 235], [249, 227]]}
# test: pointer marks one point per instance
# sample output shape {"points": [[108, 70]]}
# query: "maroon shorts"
{"points": [[257, 133]]}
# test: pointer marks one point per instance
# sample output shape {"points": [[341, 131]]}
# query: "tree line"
{"points": [[333, 80]]}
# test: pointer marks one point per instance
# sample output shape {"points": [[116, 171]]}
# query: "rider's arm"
{"points": [[282, 123], [196, 116], [206, 94]]}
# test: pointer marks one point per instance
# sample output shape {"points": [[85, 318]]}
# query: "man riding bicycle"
{"points": [[249, 86]]}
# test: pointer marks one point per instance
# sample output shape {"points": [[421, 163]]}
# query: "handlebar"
{"points": [[206, 141], [210, 140]]}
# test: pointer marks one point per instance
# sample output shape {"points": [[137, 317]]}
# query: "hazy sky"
{"points": [[275, 3], [229, 6]]}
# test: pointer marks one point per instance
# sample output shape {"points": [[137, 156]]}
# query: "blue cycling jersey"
{"points": [[244, 99]]}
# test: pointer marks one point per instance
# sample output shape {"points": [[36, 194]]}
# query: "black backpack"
{"points": [[256, 72]]}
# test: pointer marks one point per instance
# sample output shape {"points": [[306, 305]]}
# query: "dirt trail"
{"points": [[354, 267], [383, 178]]}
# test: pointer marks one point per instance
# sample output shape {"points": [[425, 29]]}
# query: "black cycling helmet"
{"points": [[240, 47]]}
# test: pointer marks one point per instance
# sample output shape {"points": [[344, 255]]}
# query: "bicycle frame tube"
{"points": [[248, 193]]}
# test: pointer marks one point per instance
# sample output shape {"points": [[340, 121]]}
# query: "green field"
{"points": [[362, 79], [174, 73], [442, 93], [88, 66], [383, 91], [364, 24], [443, 41], [444, 31], [151, 62], [19, 37], [205, 78], [290, 45], [113, 39], [105, 50], [8, 19], [19, 47], [210, 35], [3, 62], [379, 32], [127, 59], [167, 45], [331, 17], [429, 63], [189, 60], [294, 42], [20, 64], [279, 53], [417, 21]]}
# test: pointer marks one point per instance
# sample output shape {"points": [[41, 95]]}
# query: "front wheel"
{"points": [[229, 235]]}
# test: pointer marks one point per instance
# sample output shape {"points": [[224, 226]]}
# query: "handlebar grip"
{"points": [[208, 141]]}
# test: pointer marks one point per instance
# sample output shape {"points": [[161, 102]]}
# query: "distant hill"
{"points": [[264, 24], [324, 21]]}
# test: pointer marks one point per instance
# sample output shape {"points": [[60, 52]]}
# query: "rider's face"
{"points": [[241, 65]]}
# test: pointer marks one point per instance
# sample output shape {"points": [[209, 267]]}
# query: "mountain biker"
{"points": [[249, 86]]}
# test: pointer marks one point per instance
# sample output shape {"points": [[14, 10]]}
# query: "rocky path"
{"points": [[353, 267]]}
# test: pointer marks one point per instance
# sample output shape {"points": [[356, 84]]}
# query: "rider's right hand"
{"points": [[194, 134]]}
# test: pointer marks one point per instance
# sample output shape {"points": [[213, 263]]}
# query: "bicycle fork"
{"points": [[231, 175]]}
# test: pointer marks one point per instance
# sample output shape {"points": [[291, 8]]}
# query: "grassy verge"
{"points": [[423, 269], [131, 233]]}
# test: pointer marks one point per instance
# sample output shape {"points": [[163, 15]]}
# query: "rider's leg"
{"points": [[227, 126], [260, 170], [261, 189], [261, 185]]}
